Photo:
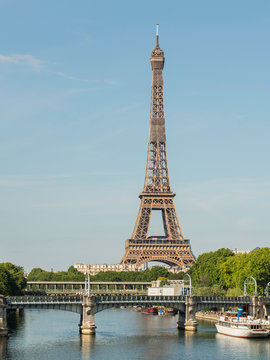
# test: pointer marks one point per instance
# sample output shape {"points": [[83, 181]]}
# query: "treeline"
{"points": [[72, 274], [12, 280], [223, 273], [214, 274]]}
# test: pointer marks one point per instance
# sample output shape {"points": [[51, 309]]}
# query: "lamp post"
{"points": [[189, 278], [87, 285], [250, 281]]}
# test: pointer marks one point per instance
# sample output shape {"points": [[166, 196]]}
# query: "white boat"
{"points": [[245, 327]]}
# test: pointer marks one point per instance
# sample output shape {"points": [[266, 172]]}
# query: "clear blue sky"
{"points": [[74, 115]]}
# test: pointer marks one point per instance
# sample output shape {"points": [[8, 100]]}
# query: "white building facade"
{"points": [[94, 269]]}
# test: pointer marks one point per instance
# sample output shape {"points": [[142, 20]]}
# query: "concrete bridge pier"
{"points": [[190, 323], [258, 308], [187, 320], [87, 325], [181, 320], [3, 317]]}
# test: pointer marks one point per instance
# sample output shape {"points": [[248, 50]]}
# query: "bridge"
{"points": [[88, 306], [73, 287]]}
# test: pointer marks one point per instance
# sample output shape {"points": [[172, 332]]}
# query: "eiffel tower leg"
{"points": [[173, 224], [165, 223], [141, 227], [140, 231]]}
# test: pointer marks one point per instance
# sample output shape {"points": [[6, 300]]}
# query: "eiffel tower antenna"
{"points": [[173, 248], [157, 39]]}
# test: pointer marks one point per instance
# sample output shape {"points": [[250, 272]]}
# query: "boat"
{"points": [[169, 311], [245, 327], [149, 311], [137, 308]]}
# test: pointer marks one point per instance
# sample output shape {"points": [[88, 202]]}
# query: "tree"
{"points": [[12, 280], [257, 264], [206, 271], [214, 290], [72, 274]]}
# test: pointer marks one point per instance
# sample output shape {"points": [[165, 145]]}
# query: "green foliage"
{"points": [[234, 292], [164, 282], [146, 275], [72, 274], [214, 290], [229, 271], [178, 276], [206, 271], [237, 269], [12, 280]]}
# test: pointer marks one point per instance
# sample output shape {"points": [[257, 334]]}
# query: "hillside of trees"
{"points": [[12, 280]]}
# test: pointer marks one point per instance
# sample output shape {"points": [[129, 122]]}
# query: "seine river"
{"points": [[121, 334]]}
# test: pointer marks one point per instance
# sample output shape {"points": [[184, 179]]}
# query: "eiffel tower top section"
{"points": [[157, 175], [157, 119], [157, 56]]}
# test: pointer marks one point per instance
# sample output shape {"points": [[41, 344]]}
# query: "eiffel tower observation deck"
{"points": [[171, 248]]}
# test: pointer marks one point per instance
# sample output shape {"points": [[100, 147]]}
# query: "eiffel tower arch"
{"points": [[173, 248]]}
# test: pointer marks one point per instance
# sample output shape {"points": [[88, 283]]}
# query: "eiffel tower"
{"points": [[173, 248]]}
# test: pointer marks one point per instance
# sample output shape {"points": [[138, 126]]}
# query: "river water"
{"points": [[121, 334]]}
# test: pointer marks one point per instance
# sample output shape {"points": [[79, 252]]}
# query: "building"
{"points": [[174, 288], [94, 269], [236, 251]]}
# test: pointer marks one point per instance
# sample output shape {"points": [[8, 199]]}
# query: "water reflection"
{"points": [[189, 338], [15, 320], [243, 346], [121, 335], [3, 347], [87, 346]]}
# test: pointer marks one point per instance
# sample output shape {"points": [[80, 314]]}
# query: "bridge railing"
{"points": [[117, 298], [223, 298], [139, 298], [43, 299]]}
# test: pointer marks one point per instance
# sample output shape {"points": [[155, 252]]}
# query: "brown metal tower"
{"points": [[173, 248]]}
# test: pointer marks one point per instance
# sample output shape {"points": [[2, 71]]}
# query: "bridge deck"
{"points": [[128, 298]]}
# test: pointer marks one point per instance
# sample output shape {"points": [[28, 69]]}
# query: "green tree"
{"points": [[234, 292], [12, 280], [256, 264], [72, 274], [206, 271], [176, 276], [214, 290]]}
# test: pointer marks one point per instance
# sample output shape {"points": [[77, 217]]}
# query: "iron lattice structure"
{"points": [[173, 248]]}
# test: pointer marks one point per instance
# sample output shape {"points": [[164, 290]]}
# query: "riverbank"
{"points": [[207, 316]]}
